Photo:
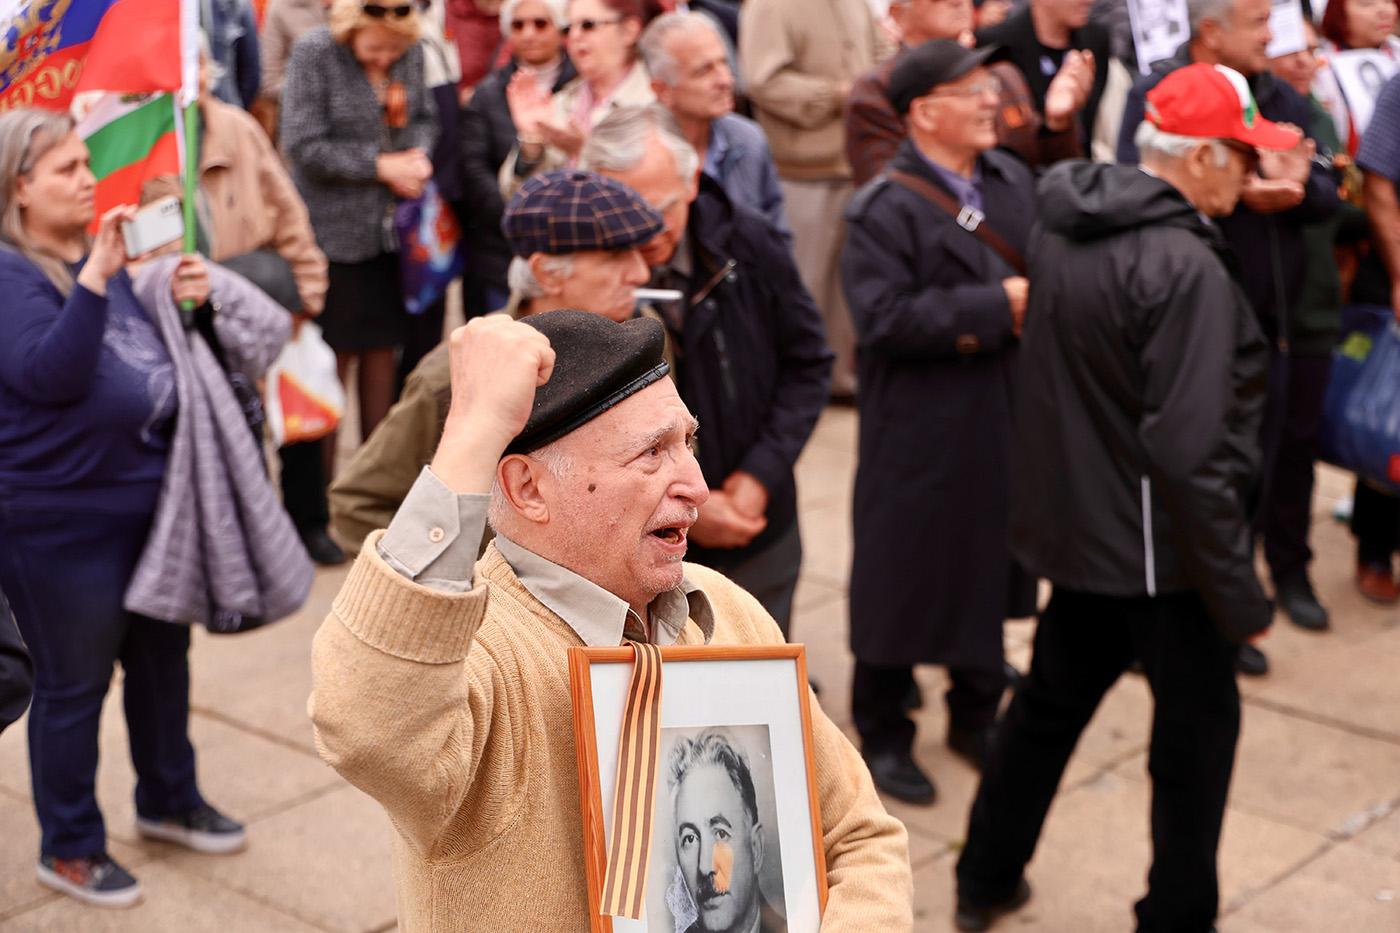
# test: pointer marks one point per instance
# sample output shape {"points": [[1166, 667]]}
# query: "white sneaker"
{"points": [[95, 880], [203, 830]]}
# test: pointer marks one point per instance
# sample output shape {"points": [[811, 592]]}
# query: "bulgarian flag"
{"points": [[124, 68]]}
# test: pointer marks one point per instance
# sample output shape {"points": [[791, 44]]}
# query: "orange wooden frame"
{"points": [[586, 742]]}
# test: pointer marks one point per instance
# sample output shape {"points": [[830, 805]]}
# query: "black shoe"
{"points": [[1251, 661], [896, 774], [1296, 597], [322, 549], [971, 744], [914, 699], [973, 918]]}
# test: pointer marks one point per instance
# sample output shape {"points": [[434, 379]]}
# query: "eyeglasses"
{"points": [[379, 11], [588, 25], [539, 22], [977, 88]]}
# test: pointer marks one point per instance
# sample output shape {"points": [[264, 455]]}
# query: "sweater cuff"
{"points": [[404, 619]]}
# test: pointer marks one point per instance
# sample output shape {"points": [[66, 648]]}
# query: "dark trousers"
{"points": [[1375, 520], [304, 485], [422, 332], [65, 574], [1285, 512], [877, 703], [1082, 644]]}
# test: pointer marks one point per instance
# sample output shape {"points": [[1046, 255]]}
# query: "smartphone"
{"points": [[155, 225]]}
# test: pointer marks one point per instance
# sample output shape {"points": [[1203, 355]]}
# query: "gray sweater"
{"points": [[332, 130]]}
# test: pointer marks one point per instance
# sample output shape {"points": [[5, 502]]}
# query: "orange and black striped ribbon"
{"points": [[634, 802]]}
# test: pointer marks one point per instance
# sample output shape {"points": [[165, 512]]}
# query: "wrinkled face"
{"points": [[537, 39], [656, 179], [1243, 46], [714, 839], [921, 20], [57, 196], [1297, 69], [1369, 22], [602, 282], [377, 47], [1073, 14], [620, 516], [960, 115], [600, 40], [704, 87]]}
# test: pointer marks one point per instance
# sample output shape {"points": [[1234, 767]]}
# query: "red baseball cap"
{"points": [[1213, 102]]}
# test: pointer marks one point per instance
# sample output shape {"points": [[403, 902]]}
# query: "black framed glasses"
{"points": [[380, 11], [539, 22], [588, 25]]}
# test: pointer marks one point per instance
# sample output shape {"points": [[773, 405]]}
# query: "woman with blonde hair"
{"points": [[88, 388], [357, 125]]}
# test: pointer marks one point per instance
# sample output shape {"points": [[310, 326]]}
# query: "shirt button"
{"points": [[436, 535]]}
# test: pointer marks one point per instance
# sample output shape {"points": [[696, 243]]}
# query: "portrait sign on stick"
{"points": [[735, 827]]}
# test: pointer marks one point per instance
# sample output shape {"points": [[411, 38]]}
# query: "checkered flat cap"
{"points": [[570, 211]]}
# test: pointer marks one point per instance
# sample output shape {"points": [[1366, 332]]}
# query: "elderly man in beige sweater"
{"points": [[441, 682]]}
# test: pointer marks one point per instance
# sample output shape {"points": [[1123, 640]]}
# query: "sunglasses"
{"points": [[379, 11], [588, 25], [539, 22]]}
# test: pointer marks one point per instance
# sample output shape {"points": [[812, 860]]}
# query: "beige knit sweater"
{"points": [[453, 711]]}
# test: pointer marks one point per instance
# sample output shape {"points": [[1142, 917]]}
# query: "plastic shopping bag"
{"points": [[304, 396], [431, 252], [1361, 415]]}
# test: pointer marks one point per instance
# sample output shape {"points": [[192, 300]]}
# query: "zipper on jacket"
{"points": [[722, 346], [1149, 550]]}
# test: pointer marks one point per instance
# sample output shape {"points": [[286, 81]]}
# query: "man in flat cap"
{"points": [[751, 355], [1136, 445], [442, 683], [938, 308], [576, 237]]}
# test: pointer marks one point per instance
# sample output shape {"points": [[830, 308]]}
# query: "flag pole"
{"points": [[189, 101]]}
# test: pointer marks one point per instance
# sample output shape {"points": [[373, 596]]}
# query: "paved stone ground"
{"points": [[1312, 839]]}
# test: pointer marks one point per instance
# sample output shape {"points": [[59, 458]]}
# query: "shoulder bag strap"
{"points": [[969, 219]]}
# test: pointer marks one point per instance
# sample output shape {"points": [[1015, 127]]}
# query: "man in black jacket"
{"points": [[1136, 443], [1289, 192], [751, 357]]}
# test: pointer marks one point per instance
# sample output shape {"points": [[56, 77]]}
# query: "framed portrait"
{"points": [[736, 837]]}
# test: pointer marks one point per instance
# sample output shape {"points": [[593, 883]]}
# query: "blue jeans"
{"points": [[65, 574]]}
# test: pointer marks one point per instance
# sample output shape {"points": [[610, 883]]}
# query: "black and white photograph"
{"points": [[716, 862]]}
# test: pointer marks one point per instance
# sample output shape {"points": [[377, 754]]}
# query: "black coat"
{"points": [[932, 577], [487, 135], [1016, 34], [753, 363], [1142, 387]]}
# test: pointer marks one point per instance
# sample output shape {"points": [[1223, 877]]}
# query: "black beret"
{"points": [[925, 66], [570, 211], [597, 363]]}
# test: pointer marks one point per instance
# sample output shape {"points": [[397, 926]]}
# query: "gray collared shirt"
{"points": [[968, 191], [435, 539]]}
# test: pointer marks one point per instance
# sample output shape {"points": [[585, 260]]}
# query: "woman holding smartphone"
{"points": [[87, 392]]}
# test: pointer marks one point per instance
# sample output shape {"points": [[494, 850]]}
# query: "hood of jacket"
{"points": [[1086, 200]]}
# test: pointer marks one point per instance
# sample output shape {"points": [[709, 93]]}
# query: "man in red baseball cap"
{"points": [[1135, 450]]}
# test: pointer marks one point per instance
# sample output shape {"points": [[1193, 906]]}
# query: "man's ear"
{"points": [[1208, 34], [756, 847], [550, 284], [519, 480], [662, 90]]}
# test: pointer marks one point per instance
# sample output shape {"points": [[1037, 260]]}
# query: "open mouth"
{"points": [[670, 534]]}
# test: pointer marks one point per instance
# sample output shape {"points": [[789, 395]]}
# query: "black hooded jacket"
{"points": [[1141, 389]]}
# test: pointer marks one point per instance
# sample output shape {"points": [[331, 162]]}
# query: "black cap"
{"points": [[924, 67], [570, 211], [597, 363]]}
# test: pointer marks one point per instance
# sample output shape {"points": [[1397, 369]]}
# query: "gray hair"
{"points": [[555, 459], [26, 136], [1221, 11], [619, 141], [520, 278], [659, 61], [216, 69], [1151, 140], [558, 13]]}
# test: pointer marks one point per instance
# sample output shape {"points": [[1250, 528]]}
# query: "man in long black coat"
{"points": [[937, 313]]}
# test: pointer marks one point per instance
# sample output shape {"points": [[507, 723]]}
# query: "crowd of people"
{"points": [[1085, 311]]}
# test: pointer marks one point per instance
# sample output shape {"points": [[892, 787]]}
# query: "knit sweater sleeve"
{"points": [[48, 347], [869, 882], [397, 709]]}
